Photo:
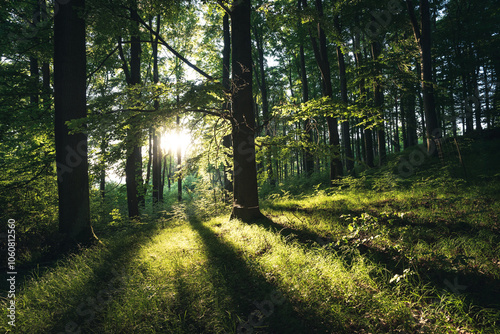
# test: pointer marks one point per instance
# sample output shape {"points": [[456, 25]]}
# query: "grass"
{"points": [[415, 257]]}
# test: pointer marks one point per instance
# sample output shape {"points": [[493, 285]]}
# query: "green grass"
{"points": [[348, 262], [418, 256]]}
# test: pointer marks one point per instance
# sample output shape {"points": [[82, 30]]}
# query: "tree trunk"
{"points": [[321, 55], [308, 156], [346, 138], [150, 157], [70, 103], [367, 132], [35, 76], [102, 181], [423, 38], [245, 193], [155, 133], [477, 100], [378, 102], [179, 162], [265, 102], [133, 164]]}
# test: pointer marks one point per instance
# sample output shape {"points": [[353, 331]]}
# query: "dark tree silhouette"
{"points": [[70, 104]]}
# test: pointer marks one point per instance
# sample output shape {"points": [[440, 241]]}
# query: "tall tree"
{"points": [[245, 194], [422, 35], [133, 163], [346, 138], [226, 84], [156, 135], [70, 104], [378, 103], [262, 83], [308, 156], [367, 132], [321, 55]]}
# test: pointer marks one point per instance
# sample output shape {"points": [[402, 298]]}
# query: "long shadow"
{"points": [[83, 307], [480, 289], [246, 287], [47, 260]]}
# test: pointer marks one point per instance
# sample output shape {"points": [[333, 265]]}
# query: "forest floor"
{"points": [[400, 256]]}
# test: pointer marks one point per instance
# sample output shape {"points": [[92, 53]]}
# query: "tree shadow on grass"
{"points": [[259, 304], [480, 289], [81, 307]]}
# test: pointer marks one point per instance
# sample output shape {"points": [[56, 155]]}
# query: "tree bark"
{"points": [[133, 163], [308, 156], [262, 83], [179, 163], [378, 102], [155, 133], [70, 104], [478, 112], [321, 55], [346, 137], [367, 132], [423, 37], [245, 194]]}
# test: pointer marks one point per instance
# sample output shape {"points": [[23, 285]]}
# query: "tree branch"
{"points": [[102, 63], [226, 9], [413, 20], [177, 54], [122, 57]]}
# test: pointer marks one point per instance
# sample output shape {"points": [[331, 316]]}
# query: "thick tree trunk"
{"points": [[70, 103], [133, 164], [245, 194]]}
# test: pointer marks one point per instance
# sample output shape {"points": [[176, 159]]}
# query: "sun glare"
{"points": [[171, 141]]}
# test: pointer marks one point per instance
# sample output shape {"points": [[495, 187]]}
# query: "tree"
{"points": [[378, 103], [422, 36], [346, 139], [245, 193], [321, 55], [157, 158], [133, 163], [70, 104]]}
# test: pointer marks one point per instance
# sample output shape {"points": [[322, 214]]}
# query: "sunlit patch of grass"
{"points": [[343, 261], [318, 282], [449, 240]]}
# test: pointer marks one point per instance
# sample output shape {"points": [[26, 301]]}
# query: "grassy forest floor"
{"points": [[377, 253]]}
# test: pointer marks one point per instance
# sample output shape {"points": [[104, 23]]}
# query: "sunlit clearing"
{"points": [[172, 141]]}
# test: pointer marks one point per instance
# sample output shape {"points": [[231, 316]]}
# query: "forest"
{"points": [[250, 166]]}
